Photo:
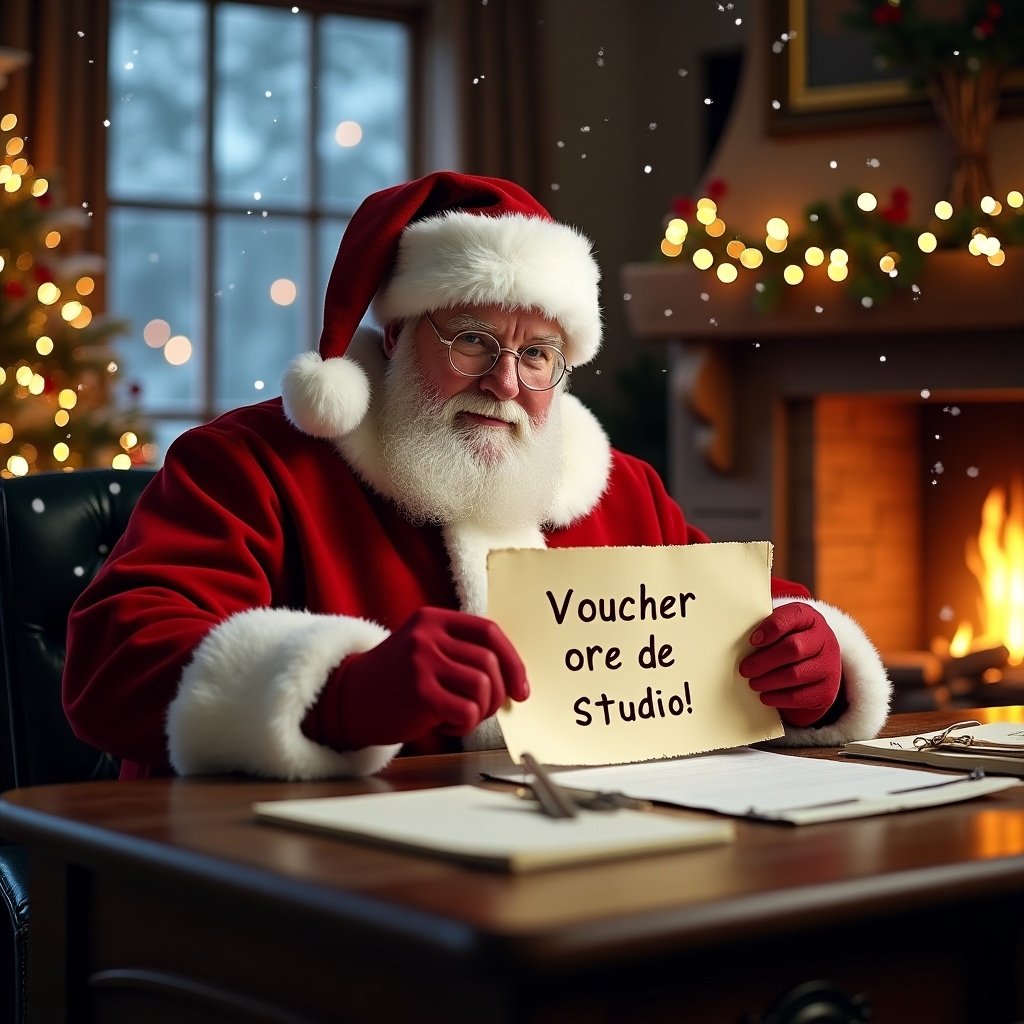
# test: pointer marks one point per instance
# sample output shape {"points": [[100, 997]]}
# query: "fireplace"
{"points": [[863, 442]]}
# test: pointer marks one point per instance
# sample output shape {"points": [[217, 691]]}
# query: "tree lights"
{"points": [[57, 371]]}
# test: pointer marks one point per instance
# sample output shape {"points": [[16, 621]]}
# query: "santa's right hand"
{"points": [[441, 669]]}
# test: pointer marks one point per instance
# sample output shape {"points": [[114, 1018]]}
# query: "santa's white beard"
{"points": [[442, 470]]}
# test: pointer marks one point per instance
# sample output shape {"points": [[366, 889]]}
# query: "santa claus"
{"points": [[301, 590]]}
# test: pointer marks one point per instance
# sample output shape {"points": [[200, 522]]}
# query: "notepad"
{"points": [[997, 747], [493, 829]]}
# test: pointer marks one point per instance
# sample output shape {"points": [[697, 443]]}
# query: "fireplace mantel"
{"points": [[962, 327]]}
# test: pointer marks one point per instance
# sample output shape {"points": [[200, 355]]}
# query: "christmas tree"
{"points": [[58, 369]]}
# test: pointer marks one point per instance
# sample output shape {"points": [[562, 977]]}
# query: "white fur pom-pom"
{"points": [[325, 397]]}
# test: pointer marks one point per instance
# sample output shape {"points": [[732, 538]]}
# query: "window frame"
{"points": [[431, 82]]}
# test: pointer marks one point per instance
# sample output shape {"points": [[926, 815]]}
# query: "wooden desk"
{"points": [[164, 901]]}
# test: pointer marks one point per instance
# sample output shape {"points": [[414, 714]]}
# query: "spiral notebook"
{"points": [[997, 747]]}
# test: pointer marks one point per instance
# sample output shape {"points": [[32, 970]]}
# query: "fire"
{"points": [[996, 558]]}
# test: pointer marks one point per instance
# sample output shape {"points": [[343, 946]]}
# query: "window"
{"points": [[241, 137]]}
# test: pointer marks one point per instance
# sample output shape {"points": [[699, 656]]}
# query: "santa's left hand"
{"points": [[796, 666]]}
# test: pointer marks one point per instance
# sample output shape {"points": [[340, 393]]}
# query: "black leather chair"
{"points": [[56, 530]]}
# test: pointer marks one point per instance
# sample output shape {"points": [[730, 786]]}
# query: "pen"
{"points": [[552, 799], [594, 799], [585, 799]]}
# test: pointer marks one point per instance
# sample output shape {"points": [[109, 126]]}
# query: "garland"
{"points": [[867, 246], [984, 34]]}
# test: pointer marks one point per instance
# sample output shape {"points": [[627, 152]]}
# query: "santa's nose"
{"points": [[502, 379]]}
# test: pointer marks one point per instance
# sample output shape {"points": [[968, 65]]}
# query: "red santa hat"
{"points": [[444, 240]]}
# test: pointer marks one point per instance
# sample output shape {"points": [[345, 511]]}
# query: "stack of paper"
{"points": [[769, 786]]}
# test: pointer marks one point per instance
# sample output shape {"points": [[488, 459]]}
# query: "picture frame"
{"points": [[825, 75]]}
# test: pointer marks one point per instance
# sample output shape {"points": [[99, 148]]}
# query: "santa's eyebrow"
{"points": [[465, 322]]}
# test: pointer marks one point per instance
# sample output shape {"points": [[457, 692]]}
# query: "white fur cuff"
{"points": [[251, 681]]}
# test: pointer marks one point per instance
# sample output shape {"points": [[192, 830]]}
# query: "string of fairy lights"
{"points": [[18, 182], [737, 255]]}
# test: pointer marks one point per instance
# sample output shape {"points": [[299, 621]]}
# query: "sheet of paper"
{"points": [[750, 783], [632, 653]]}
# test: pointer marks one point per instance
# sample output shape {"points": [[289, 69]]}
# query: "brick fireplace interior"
{"points": [[863, 443], [885, 496]]}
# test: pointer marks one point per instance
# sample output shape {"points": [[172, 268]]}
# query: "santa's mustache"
{"points": [[466, 401]]}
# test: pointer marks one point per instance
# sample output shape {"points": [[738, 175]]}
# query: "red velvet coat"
{"points": [[258, 559]]}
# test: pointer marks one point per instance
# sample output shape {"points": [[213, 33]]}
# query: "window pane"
{"points": [[155, 273], [157, 96], [262, 106], [363, 108], [258, 336]]}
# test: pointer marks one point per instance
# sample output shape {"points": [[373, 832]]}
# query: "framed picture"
{"points": [[826, 75]]}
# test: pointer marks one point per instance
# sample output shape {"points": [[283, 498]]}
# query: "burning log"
{"points": [[911, 669], [974, 664]]}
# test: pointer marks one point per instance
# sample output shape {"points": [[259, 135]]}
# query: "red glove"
{"points": [[797, 666], [441, 669]]}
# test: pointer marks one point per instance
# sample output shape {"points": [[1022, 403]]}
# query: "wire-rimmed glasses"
{"points": [[475, 353]]}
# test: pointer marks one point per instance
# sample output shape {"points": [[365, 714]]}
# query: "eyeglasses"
{"points": [[475, 353]]}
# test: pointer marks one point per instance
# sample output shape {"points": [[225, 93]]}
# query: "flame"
{"points": [[996, 558], [962, 638]]}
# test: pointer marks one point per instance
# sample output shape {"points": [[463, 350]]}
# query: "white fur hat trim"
{"points": [[460, 258]]}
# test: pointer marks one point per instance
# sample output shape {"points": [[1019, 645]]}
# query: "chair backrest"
{"points": [[56, 530]]}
